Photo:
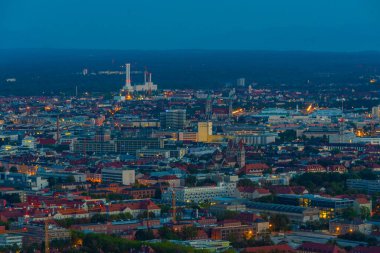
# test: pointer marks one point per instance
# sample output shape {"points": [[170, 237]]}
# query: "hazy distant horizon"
{"points": [[193, 49], [58, 70]]}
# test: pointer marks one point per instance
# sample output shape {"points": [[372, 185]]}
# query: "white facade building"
{"points": [[29, 142], [10, 240], [122, 176], [200, 194]]}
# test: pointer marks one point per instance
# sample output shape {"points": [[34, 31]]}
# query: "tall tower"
{"points": [[57, 129], [150, 84], [230, 109], [128, 86], [173, 119], [241, 154], [208, 109], [240, 82], [204, 131]]}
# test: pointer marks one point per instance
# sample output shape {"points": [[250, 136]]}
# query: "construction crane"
{"points": [[174, 206], [57, 129], [147, 218], [47, 246]]}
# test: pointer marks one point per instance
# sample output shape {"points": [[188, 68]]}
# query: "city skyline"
{"points": [[188, 126]]}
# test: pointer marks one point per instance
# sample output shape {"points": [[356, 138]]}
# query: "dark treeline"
{"points": [[53, 71]]}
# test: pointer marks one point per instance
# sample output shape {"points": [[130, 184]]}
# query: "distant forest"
{"points": [[54, 71]]}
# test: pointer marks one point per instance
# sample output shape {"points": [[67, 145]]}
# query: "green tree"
{"points": [[367, 174], [12, 198], [98, 218], [335, 151], [226, 215], [365, 213], [13, 169], [5, 224], [157, 194], [267, 199], [358, 236], [70, 179], [245, 182], [189, 233], [190, 180], [165, 208], [52, 181], [349, 213], [229, 251], [288, 136], [116, 196], [280, 222], [167, 233], [144, 235], [144, 215]]}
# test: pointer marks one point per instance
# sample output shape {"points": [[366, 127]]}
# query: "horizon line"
{"points": [[197, 49]]}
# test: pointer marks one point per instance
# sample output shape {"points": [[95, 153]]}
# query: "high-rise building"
{"points": [[240, 82], [376, 111], [208, 108], [173, 119], [102, 135], [204, 131], [230, 108]]}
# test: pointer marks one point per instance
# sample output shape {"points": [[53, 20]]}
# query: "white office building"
{"points": [[122, 176], [8, 240], [200, 194], [257, 139], [29, 142]]}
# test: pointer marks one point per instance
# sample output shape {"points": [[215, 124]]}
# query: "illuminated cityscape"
{"points": [[244, 149]]}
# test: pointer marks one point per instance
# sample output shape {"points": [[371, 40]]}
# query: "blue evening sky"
{"points": [[323, 25]]}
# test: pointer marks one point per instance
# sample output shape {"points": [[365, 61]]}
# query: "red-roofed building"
{"points": [[228, 228], [140, 193], [312, 247], [134, 208], [256, 169], [250, 192], [277, 189], [71, 213], [363, 249], [313, 168], [46, 141], [337, 168], [282, 248]]}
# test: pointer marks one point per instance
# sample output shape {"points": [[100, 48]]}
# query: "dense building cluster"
{"points": [[257, 170]]}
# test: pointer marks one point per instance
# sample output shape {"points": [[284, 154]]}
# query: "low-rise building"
{"points": [[312, 247], [200, 194], [36, 233], [232, 229], [370, 186], [140, 193], [8, 240], [122, 176], [296, 214], [329, 207], [341, 227]]}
